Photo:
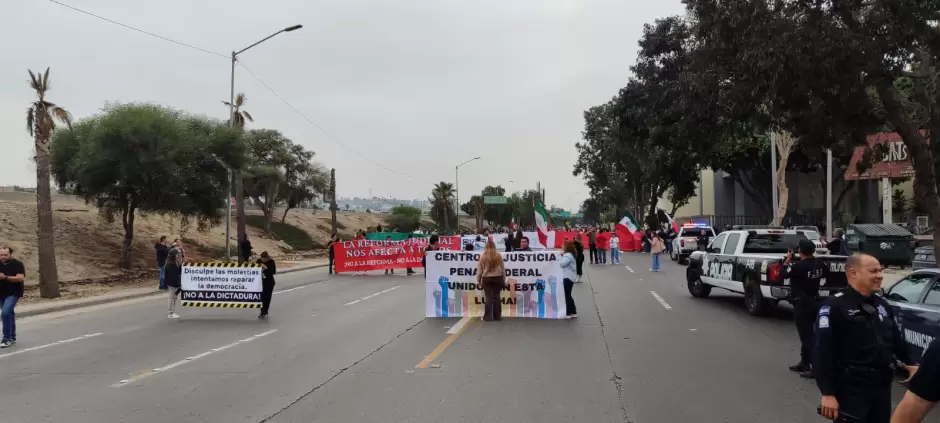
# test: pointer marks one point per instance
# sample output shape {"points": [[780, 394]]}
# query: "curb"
{"points": [[64, 307]]}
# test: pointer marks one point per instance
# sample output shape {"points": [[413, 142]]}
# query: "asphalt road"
{"points": [[358, 349]]}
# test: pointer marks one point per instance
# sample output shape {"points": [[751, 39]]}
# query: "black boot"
{"points": [[799, 367]]}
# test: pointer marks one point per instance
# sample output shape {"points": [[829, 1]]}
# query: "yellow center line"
{"points": [[444, 344]]}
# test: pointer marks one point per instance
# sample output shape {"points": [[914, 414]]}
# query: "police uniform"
{"points": [[857, 342], [805, 276]]}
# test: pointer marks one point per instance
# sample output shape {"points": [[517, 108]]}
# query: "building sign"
{"points": [[896, 162]]}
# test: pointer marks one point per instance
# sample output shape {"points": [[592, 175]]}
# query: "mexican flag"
{"points": [[628, 223], [512, 223], [543, 224]]}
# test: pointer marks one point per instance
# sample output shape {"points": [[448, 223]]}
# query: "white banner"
{"points": [[224, 285], [534, 286]]}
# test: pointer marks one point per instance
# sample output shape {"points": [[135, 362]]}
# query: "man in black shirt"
{"points": [[923, 389], [804, 277], [12, 275], [523, 244], [857, 344]]}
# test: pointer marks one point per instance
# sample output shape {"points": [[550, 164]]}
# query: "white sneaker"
{"points": [[174, 316], [573, 316]]}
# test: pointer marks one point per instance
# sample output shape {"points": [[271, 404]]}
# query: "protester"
{"points": [[162, 249], [647, 240], [389, 271], [432, 245], [181, 252], [268, 270], [360, 235], [656, 249], [603, 244], [524, 244], [570, 271], [408, 271], [174, 282], [333, 240], [244, 250], [510, 242], [491, 273], [592, 245], [579, 258], [614, 249], [12, 275], [480, 243]]}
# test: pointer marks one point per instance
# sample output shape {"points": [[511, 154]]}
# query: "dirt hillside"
{"points": [[89, 248]]}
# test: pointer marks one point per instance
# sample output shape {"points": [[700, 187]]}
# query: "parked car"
{"points": [[751, 263], [924, 258], [915, 301]]}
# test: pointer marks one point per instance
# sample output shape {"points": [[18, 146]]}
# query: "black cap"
{"points": [[807, 247]]}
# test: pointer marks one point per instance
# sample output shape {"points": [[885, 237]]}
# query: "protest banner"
{"points": [[221, 285], [363, 255], [533, 285]]}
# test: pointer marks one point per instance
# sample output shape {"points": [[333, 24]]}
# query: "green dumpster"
{"points": [[889, 243]]}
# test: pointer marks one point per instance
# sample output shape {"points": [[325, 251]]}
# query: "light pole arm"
{"points": [[259, 42]]}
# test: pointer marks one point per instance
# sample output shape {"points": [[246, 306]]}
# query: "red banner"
{"points": [[363, 255]]}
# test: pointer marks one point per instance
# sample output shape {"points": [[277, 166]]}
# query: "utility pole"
{"points": [[333, 200], [829, 195], [773, 178]]}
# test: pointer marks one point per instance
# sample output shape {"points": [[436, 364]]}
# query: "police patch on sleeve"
{"points": [[882, 311], [824, 311], [823, 322]]}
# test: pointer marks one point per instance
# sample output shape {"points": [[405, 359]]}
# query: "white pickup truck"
{"points": [[687, 241]]}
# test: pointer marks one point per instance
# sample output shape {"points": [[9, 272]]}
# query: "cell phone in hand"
{"points": [[845, 417]]}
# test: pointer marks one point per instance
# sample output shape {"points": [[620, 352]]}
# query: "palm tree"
{"points": [[41, 117], [442, 200], [239, 117]]}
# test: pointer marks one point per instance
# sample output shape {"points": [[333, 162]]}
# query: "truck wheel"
{"points": [[754, 300], [697, 288], [683, 260]]}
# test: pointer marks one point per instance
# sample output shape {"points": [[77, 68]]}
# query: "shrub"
{"points": [[297, 238]]}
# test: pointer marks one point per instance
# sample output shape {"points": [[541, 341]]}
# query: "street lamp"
{"points": [[239, 195], [457, 188]]}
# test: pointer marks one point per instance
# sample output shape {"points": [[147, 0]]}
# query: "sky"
{"points": [[403, 90]]}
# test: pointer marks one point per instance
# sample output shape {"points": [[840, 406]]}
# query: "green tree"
{"points": [[304, 181], [144, 158], [41, 117], [404, 218]]}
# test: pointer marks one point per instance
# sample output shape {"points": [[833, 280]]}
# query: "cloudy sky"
{"points": [[417, 86]]}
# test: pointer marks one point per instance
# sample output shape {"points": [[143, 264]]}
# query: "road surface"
{"points": [[359, 349]]}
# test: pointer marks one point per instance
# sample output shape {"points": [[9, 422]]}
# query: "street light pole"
{"points": [[239, 193], [457, 189]]}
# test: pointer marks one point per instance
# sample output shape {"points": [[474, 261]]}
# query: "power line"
{"points": [[180, 43], [321, 129], [139, 30]]}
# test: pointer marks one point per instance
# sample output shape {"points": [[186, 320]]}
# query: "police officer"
{"points": [[804, 277], [856, 346]]}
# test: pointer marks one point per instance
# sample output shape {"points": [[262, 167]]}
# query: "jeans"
{"points": [[615, 255], [656, 262], [602, 256], [162, 277], [570, 308], [332, 261], [9, 317]]}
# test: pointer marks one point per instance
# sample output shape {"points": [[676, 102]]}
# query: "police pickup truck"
{"points": [[686, 240], [750, 262]]}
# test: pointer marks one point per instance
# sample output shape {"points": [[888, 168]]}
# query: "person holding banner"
{"points": [[570, 271], [268, 269], [173, 275], [491, 273]]}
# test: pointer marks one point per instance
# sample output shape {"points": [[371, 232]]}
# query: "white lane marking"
{"points": [[353, 302], [380, 292], [661, 300], [91, 335], [628, 268], [289, 290], [456, 328], [188, 359]]}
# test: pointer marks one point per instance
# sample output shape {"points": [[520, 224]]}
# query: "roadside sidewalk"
{"points": [[34, 309]]}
